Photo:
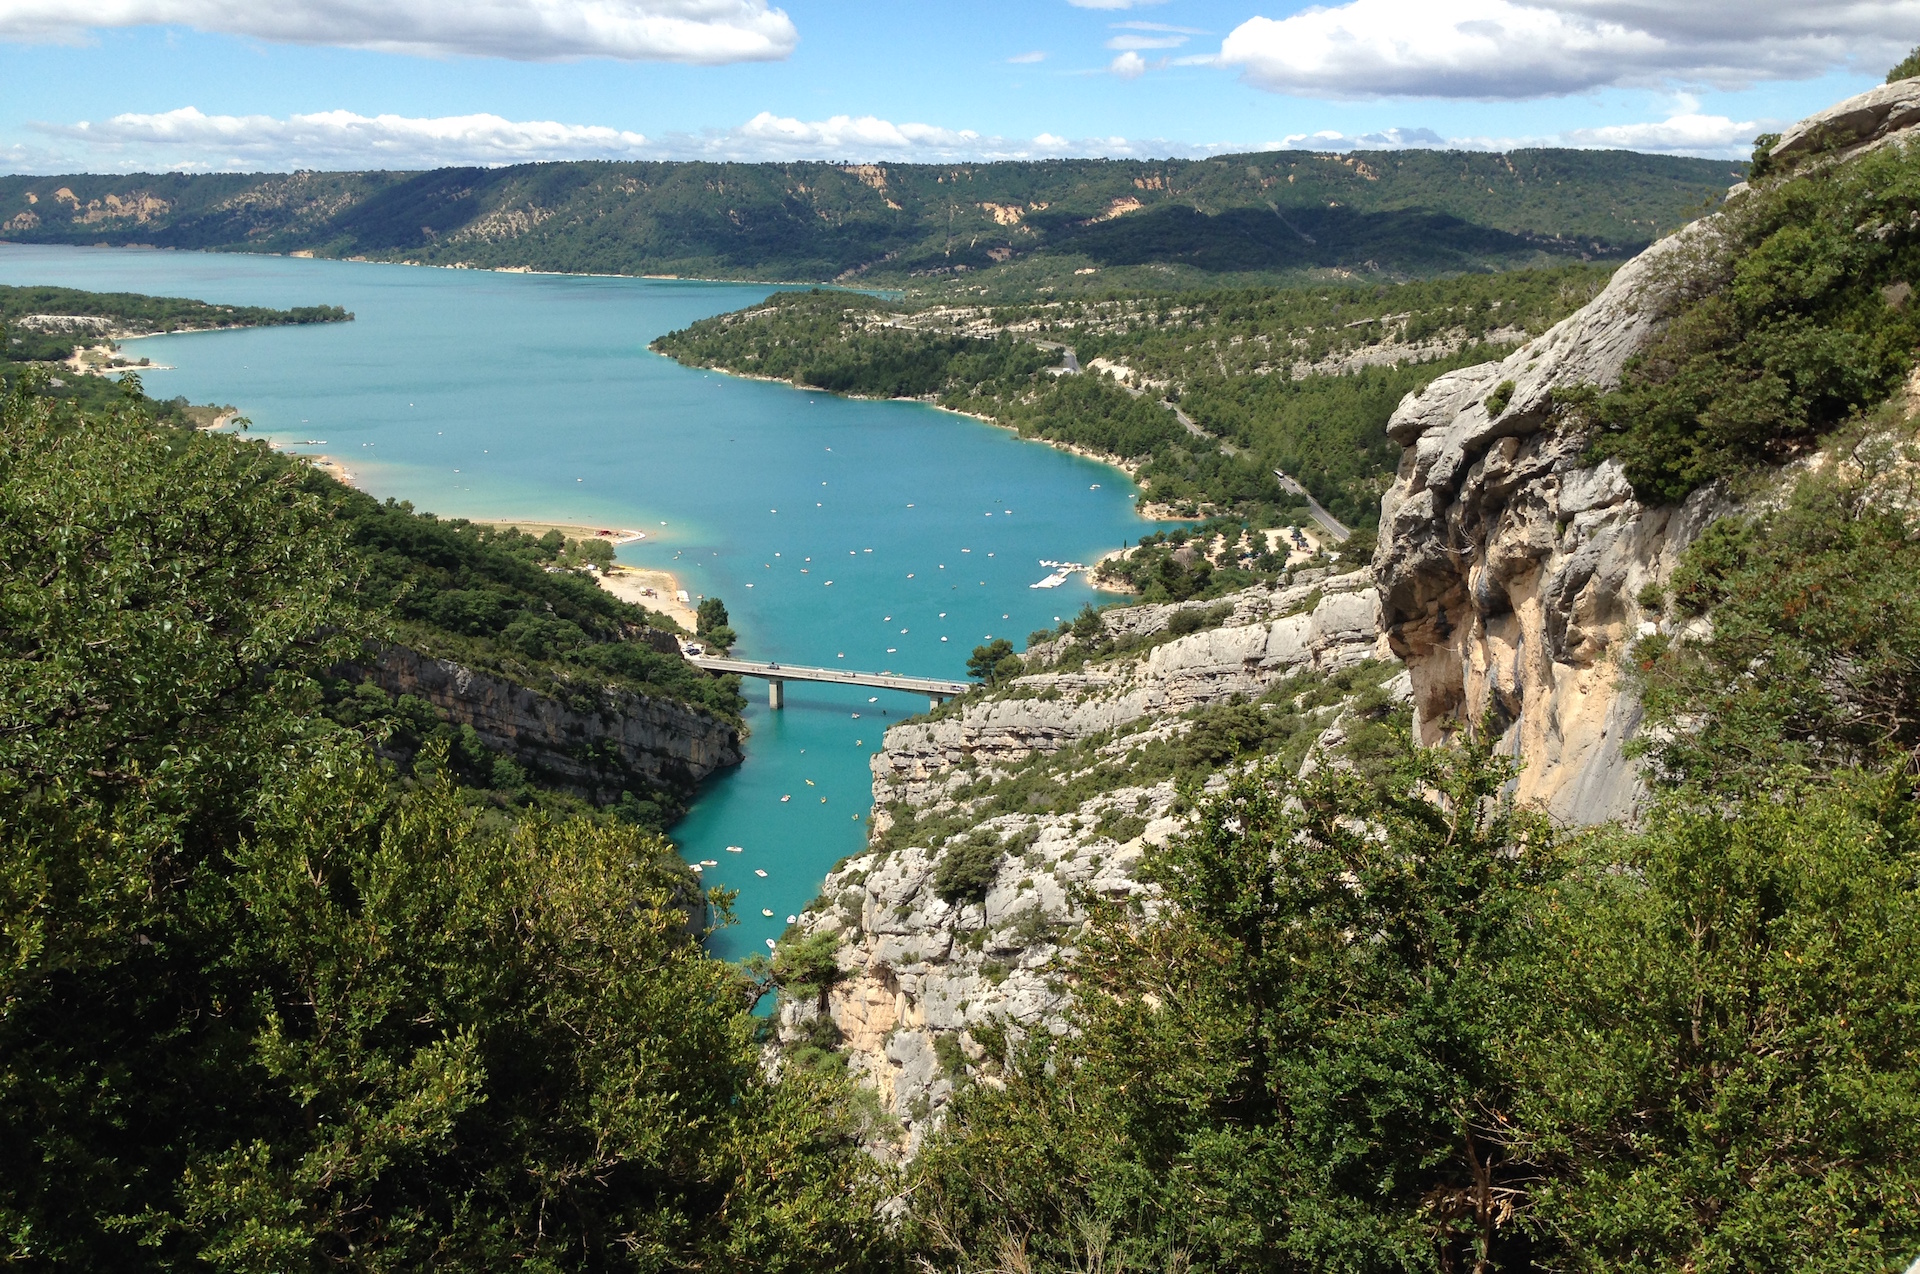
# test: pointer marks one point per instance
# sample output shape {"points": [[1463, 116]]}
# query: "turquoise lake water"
{"points": [[535, 397]]}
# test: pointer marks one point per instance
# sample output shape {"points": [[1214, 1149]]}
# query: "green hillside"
{"points": [[1300, 379], [1402, 214]]}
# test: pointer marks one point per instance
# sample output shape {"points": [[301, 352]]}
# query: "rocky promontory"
{"points": [[921, 973]]}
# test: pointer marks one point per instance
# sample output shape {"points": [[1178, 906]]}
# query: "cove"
{"points": [[867, 535]]}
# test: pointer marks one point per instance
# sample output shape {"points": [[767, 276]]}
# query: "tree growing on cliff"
{"points": [[994, 663]]}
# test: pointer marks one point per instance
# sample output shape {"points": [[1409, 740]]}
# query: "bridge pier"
{"points": [[934, 701], [776, 693]]}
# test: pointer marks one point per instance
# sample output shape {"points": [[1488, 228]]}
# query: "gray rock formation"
{"points": [[1853, 126], [920, 972], [1510, 569], [623, 738]]}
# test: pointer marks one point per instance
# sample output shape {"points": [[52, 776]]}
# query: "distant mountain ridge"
{"points": [[1284, 213]]}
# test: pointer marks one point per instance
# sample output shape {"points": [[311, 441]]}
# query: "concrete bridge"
{"points": [[777, 675]]}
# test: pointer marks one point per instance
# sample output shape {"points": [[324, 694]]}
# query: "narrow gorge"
{"points": [[1513, 570]]}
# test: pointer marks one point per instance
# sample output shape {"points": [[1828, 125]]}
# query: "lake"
{"points": [[864, 535]]}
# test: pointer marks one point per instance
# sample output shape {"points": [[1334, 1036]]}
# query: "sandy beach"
{"points": [[569, 530], [654, 590], [332, 468]]}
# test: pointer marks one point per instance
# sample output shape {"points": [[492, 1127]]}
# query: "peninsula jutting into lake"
{"points": [[1276, 711]]}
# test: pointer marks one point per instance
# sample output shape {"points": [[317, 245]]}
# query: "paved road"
{"points": [[1328, 523]]}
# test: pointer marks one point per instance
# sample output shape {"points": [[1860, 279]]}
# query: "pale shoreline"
{"points": [[653, 589], [643, 586]]}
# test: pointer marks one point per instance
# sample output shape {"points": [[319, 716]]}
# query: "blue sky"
{"points": [[267, 84]]}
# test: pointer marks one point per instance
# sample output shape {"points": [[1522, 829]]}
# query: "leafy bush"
{"points": [[1497, 401], [1801, 327], [966, 871], [1813, 656]]}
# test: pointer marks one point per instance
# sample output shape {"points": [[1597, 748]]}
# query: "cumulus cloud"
{"points": [[190, 140], [698, 31], [1685, 132], [1385, 139], [1690, 132], [1518, 49], [1128, 66]]}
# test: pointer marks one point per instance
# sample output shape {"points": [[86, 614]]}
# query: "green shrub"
{"points": [[1796, 331], [966, 871], [1497, 401]]}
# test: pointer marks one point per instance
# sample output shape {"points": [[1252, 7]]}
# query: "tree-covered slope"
{"points": [[43, 324], [1409, 213], [1297, 379], [265, 1006]]}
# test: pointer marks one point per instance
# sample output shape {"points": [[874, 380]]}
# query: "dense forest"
{"points": [[45, 324], [1298, 379], [292, 979], [1075, 225], [494, 599], [270, 1003]]}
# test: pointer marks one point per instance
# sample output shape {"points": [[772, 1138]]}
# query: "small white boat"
{"points": [[758, 872], [735, 849], [766, 911], [769, 944]]}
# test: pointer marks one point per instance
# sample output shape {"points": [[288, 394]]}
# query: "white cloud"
{"points": [[1155, 26], [1128, 66], [1386, 139], [699, 31], [190, 140], [1686, 132], [1113, 4], [1024, 59], [1518, 49], [1690, 132], [1146, 41]]}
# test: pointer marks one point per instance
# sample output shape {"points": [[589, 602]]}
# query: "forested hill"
{"points": [[1177, 222]]}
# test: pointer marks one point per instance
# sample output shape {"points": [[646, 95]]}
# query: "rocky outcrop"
{"points": [[1267, 634], [596, 748], [922, 974], [1853, 126], [1510, 568]]}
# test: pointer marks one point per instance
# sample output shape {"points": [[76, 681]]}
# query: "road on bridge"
{"points": [[938, 691]]}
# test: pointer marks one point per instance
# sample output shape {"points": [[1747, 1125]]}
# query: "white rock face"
{"points": [[1855, 125], [1509, 569], [920, 970]]}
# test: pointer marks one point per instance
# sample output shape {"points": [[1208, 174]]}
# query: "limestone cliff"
{"points": [[1510, 569], [921, 972], [597, 748]]}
